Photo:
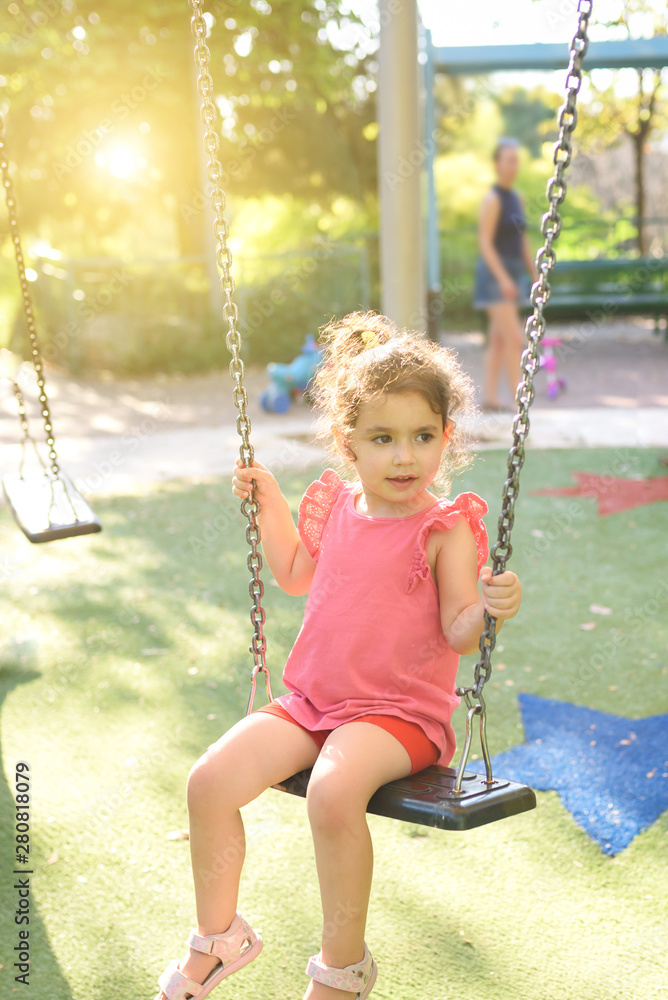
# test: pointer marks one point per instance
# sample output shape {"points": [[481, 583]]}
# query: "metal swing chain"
{"points": [[27, 302], [534, 331], [249, 507], [21, 406]]}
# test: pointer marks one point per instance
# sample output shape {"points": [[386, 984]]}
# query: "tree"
{"points": [[104, 120], [609, 115], [529, 116]]}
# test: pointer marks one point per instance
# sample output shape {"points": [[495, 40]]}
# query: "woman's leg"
{"points": [[355, 761], [508, 345], [256, 753]]}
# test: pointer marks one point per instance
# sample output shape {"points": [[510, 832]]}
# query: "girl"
{"points": [[502, 273], [391, 571]]}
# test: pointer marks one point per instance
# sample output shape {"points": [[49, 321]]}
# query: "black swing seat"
{"points": [[47, 507], [428, 798]]}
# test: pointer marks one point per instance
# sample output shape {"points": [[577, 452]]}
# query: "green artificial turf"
{"points": [[124, 654]]}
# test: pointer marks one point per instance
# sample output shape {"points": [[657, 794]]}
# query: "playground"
{"points": [[125, 559]]}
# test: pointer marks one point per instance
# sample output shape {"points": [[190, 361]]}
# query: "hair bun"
{"points": [[358, 332]]}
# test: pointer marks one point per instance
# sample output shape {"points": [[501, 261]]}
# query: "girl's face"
{"points": [[397, 443]]}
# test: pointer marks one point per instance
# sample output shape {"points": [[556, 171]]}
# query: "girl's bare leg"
{"points": [[256, 753], [355, 761]]}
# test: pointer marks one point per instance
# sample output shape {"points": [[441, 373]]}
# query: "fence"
{"points": [[151, 314]]}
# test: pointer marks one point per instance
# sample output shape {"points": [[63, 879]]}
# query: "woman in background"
{"points": [[502, 272]]}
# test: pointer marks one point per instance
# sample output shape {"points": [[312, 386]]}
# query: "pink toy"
{"points": [[548, 361]]}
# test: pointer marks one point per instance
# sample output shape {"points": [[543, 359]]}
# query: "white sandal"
{"points": [[353, 979], [236, 947]]}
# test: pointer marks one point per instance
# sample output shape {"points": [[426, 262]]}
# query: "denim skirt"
{"points": [[486, 291]]}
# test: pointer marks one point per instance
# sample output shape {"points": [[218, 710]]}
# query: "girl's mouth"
{"points": [[402, 482]]}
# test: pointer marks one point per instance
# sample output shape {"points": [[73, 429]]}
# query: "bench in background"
{"points": [[598, 290]]}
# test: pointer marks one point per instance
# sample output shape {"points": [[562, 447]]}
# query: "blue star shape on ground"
{"points": [[611, 773]]}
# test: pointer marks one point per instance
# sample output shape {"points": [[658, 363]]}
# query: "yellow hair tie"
{"points": [[370, 338]]}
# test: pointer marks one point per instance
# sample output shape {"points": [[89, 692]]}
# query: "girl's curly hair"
{"points": [[366, 355]]}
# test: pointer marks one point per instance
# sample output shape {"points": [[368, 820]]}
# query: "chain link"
{"points": [[27, 303], [534, 330], [250, 507], [23, 416]]}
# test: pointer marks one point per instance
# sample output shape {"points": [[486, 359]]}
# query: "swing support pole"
{"points": [[400, 157]]}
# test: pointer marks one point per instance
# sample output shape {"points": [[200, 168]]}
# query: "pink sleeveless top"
{"points": [[371, 642]]}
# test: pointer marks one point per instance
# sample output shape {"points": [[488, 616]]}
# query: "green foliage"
{"points": [[104, 122], [529, 116], [467, 116], [130, 318], [611, 112], [105, 143]]}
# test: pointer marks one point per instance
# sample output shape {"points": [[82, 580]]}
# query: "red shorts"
{"points": [[419, 747]]}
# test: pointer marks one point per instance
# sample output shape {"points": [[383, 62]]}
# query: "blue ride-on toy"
{"points": [[288, 382]]}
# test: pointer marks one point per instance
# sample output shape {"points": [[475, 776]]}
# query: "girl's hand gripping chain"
{"points": [[266, 488], [502, 594]]}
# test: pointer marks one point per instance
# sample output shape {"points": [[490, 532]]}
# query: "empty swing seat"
{"points": [[428, 798], [46, 507]]}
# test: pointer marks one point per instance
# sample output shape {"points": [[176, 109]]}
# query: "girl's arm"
{"points": [[287, 557], [490, 210], [462, 608]]}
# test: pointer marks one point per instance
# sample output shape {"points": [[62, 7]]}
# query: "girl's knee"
{"points": [[199, 783], [332, 803], [204, 784]]}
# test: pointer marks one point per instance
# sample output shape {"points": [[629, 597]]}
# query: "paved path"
{"points": [[113, 434]]}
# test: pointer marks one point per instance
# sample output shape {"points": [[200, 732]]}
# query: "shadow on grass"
{"points": [[44, 967]]}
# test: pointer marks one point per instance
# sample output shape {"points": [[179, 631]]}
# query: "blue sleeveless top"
{"points": [[511, 225]]}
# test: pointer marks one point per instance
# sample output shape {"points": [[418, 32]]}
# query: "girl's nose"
{"points": [[403, 455]]}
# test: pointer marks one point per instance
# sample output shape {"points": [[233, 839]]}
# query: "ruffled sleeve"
{"points": [[468, 505], [315, 507]]}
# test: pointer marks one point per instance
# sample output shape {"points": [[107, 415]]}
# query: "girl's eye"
{"points": [[381, 439], [426, 436]]}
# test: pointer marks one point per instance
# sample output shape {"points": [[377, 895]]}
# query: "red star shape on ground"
{"points": [[612, 495]]}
